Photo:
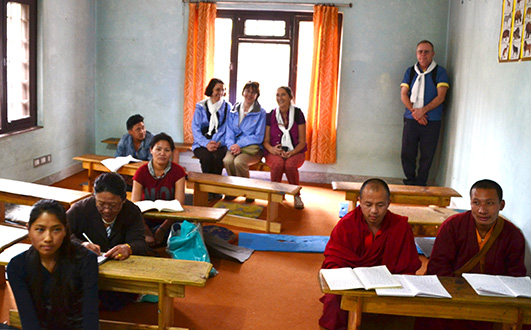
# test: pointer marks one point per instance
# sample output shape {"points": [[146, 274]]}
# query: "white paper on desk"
{"points": [[520, 286], [160, 205], [376, 277], [102, 258], [499, 286], [341, 278], [114, 164], [416, 286]]}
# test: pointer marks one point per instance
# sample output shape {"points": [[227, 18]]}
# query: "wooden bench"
{"points": [[179, 147], [200, 214], [93, 164], [401, 194], [25, 193], [272, 192], [14, 321], [164, 277], [260, 166]]}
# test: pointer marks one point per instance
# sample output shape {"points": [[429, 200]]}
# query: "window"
{"points": [[18, 45], [273, 48]]}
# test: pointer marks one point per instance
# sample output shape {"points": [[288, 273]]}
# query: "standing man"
{"points": [[370, 235], [477, 241], [423, 91], [136, 141]]}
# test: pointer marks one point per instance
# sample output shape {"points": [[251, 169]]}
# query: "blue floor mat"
{"points": [[283, 243]]}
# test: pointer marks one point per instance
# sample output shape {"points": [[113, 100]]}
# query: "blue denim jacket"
{"points": [[126, 147], [250, 131]]}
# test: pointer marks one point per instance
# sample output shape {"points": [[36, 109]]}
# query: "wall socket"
{"points": [[42, 160]]}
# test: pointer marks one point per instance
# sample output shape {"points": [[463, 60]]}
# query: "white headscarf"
{"points": [[213, 109], [286, 137], [417, 90]]}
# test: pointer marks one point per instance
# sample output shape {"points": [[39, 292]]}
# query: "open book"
{"points": [[499, 285], [160, 205], [359, 278], [114, 164], [417, 286]]}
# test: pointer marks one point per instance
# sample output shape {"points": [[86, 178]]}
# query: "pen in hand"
{"points": [[88, 240]]}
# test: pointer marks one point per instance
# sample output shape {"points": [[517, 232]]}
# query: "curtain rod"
{"points": [[276, 3]]}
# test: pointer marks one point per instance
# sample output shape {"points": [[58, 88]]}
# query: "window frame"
{"points": [[291, 38], [31, 120]]}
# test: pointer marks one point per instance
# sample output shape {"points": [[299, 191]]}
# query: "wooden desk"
{"points": [[465, 304], [199, 214], [272, 192], [179, 147], [164, 277], [401, 194], [8, 236], [94, 166], [19, 192], [424, 221]]}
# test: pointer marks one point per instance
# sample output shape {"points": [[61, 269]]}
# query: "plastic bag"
{"points": [[186, 243]]}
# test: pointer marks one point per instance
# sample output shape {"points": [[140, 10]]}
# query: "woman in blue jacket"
{"points": [[245, 132], [208, 128]]}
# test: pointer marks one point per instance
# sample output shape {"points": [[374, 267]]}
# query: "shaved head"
{"points": [[375, 184]]}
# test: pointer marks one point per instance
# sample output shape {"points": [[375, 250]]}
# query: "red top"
{"points": [[456, 243], [164, 188], [393, 246]]}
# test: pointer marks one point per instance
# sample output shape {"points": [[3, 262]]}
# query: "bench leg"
{"points": [[2, 211], [91, 178], [176, 156], [200, 197], [165, 309], [272, 214], [355, 310], [3, 276]]}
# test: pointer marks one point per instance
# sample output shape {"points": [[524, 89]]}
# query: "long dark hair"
{"points": [[65, 293]]}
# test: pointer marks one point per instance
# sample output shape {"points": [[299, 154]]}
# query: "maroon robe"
{"points": [[456, 243], [394, 247]]}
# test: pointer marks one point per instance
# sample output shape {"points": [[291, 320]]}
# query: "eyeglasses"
{"points": [[109, 206]]}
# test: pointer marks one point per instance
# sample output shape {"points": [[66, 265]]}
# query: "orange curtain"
{"points": [[321, 122], [199, 59]]}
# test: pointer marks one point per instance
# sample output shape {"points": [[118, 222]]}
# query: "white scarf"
{"points": [[213, 108], [242, 111], [286, 138], [417, 90]]}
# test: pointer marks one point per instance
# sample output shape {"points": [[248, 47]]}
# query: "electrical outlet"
{"points": [[46, 159]]}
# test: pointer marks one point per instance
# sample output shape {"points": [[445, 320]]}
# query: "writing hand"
{"points": [[92, 247]]}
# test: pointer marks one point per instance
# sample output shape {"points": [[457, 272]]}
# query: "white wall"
{"points": [[488, 127], [142, 49], [141, 55], [66, 73]]}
